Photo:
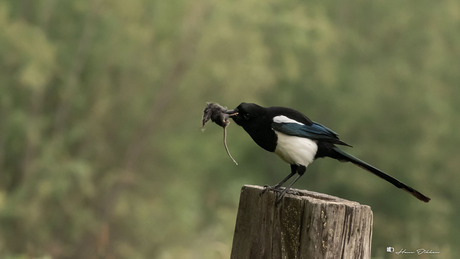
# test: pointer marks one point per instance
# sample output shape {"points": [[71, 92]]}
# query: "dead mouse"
{"points": [[219, 115]]}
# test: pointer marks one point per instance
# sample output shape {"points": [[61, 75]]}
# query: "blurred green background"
{"points": [[101, 151]]}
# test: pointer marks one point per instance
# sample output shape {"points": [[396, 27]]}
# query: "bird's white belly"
{"points": [[295, 150]]}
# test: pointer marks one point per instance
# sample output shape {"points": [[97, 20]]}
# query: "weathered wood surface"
{"points": [[303, 225]]}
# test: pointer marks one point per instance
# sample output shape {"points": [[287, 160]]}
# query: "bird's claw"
{"points": [[278, 190], [274, 188]]}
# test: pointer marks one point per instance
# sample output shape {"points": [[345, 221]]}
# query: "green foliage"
{"points": [[101, 152]]}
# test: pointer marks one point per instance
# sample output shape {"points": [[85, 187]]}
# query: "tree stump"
{"points": [[303, 225]]}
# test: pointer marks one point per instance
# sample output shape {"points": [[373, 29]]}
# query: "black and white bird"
{"points": [[299, 141]]}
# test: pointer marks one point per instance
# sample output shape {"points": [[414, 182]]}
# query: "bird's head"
{"points": [[246, 114]]}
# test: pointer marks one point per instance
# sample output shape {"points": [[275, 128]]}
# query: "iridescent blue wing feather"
{"points": [[314, 132]]}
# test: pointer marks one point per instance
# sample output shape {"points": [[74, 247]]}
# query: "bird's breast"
{"points": [[295, 150]]}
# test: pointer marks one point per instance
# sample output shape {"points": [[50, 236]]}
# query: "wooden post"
{"points": [[303, 225]]}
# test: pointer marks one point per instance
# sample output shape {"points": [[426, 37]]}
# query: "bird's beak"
{"points": [[232, 113]]}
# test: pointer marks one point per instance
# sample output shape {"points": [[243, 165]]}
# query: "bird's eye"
{"points": [[246, 116]]}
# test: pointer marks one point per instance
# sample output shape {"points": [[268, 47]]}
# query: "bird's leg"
{"points": [[300, 171], [278, 185]]}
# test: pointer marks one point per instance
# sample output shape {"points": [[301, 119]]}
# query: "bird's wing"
{"points": [[314, 132]]}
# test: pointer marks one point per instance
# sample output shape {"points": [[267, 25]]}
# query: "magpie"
{"points": [[299, 141]]}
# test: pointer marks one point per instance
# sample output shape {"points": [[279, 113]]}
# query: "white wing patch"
{"points": [[295, 150], [284, 119]]}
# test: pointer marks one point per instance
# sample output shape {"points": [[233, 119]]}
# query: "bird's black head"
{"points": [[247, 113], [256, 121]]}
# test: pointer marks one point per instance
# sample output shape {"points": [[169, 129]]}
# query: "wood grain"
{"points": [[303, 225]]}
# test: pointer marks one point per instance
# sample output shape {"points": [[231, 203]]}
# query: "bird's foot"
{"points": [[277, 189], [274, 188], [280, 192]]}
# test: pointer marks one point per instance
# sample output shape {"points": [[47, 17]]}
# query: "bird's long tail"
{"points": [[343, 156]]}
